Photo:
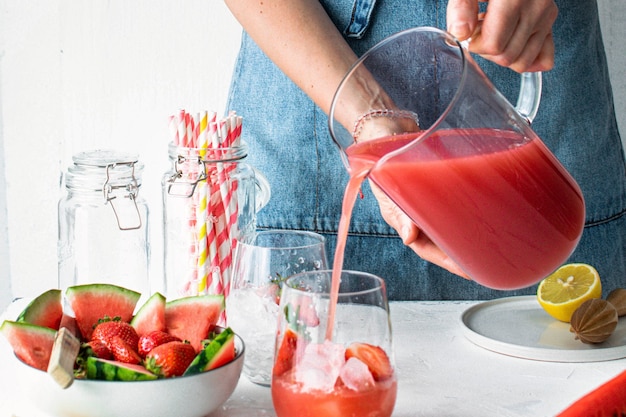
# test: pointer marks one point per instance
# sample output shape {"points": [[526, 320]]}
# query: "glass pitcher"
{"points": [[418, 113]]}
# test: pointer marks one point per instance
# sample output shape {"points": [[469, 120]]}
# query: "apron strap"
{"points": [[361, 13]]}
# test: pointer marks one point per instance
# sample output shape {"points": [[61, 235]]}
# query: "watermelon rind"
{"points": [[92, 302], [191, 318], [32, 344], [150, 316], [218, 352], [110, 370], [44, 310]]}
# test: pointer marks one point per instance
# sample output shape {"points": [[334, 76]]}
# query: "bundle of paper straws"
{"points": [[213, 205]]}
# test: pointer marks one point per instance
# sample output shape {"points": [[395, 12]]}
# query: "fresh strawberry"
{"points": [[109, 328], [100, 350], [123, 352], [170, 359], [270, 291], [307, 313], [301, 314], [153, 339], [374, 357], [275, 288], [285, 356]]}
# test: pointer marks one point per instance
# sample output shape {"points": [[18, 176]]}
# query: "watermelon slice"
{"points": [[32, 344], [191, 318], [151, 316], [69, 323], [91, 302], [607, 400], [286, 354], [218, 352], [110, 370], [45, 310]]}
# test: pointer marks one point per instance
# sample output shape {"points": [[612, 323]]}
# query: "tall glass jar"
{"points": [[210, 200], [103, 222]]}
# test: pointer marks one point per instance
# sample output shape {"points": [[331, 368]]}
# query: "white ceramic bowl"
{"points": [[186, 396]]}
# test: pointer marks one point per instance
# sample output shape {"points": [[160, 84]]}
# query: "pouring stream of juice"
{"points": [[349, 198]]}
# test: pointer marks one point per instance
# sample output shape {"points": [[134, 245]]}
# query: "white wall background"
{"points": [[78, 75]]}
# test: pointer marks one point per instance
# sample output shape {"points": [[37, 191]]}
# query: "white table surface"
{"points": [[440, 373]]}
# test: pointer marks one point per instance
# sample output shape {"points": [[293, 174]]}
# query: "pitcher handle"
{"points": [[529, 92], [529, 95], [264, 192]]}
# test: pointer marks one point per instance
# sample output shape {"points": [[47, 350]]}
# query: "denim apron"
{"points": [[290, 143]]}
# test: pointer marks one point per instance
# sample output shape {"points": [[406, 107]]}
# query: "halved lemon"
{"points": [[562, 292]]}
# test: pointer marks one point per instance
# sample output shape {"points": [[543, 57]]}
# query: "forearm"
{"points": [[299, 37]]}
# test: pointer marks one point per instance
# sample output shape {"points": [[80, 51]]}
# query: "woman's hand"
{"points": [[512, 33], [412, 236]]}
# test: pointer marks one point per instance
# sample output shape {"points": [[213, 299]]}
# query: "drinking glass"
{"points": [[334, 353], [260, 266]]}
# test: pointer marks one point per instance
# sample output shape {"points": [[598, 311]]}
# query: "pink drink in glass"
{"points": [[347, 374], [376, 401]]}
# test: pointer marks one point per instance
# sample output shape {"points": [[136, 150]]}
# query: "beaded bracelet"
{"points": [[393, 114]]}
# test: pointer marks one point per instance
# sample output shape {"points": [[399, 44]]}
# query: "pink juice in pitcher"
{"points": [[501, 206]]}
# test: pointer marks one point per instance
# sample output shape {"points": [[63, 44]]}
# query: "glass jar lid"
{"points": [[116, 176], [95, 169], [207, 155]]}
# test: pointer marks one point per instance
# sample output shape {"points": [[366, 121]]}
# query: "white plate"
{"points": [[518, 326]]}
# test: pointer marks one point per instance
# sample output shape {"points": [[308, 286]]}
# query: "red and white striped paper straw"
{"points": [[213, 209]]}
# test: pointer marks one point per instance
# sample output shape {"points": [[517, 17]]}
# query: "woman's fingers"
{"points": [[537, 56], [462, 18], [427, 250], [412, 236], [512, 33]]}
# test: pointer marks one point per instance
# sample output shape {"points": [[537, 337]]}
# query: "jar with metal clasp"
{"points": [[103, 222], [210, 201]]}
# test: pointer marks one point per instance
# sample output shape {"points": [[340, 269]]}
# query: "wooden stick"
{"points": [[64, 352]]}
